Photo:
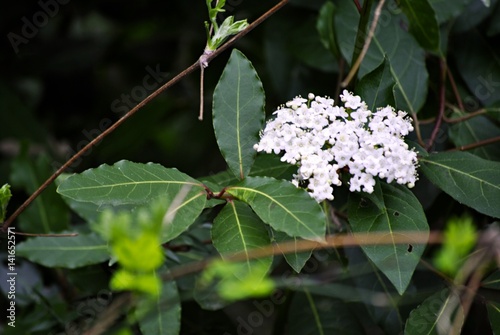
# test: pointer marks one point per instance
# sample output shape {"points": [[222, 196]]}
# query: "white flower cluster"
{"points": [[324, 139]]}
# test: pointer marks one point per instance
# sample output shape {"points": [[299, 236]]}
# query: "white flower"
{"points": [[323, 139]]}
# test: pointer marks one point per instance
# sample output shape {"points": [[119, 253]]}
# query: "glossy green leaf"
{"points": [[492, 281], [238, 113], [494, 316], [393, 210], [127, 186], [312, 314], [283, 206], [161, 314], [5, 196], [295, 259], [377, 87], [479, 65], [423, 23], [325, 28], [446, 10], [237, 229], [47, 213], [435, 315], [474, 130], [66, 252], [406, 57], [468, 179]]}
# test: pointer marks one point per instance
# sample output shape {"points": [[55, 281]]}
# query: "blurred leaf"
{"points": [[127, 185], [479, 65], [296, 260], [325, 28], [237, 229], [5, 196], [376, 88], [435, 315], [140, 282], [446, 10], [494, 27], [459, 238], [423, 24], [492, 281], [475, 13], [394, 210], [311, 314], [283, 206], [475, 130], [238, 113], [66, 252], [406, 57], [47, 213], [161, 314], [494, 316], [468, 179]]}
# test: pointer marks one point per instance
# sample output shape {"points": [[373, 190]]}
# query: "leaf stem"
{"points": [[153, 95], [442, 103]]}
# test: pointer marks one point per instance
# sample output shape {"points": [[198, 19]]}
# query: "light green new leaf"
{"points": [[5, 196], [435, 315], [283, 206], [406, 57], [423, 23], [238, 113], [65, 252], [127, 185], [237, 229], [377, 87], [295, 259], [160, 315], [393, 210], [468, 179]]}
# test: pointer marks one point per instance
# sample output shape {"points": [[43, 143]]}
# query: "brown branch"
{"points": [[466, 116], [153, 95], [455, 91], [368, 41], [442, 103], [477, 144], [47, 235]]}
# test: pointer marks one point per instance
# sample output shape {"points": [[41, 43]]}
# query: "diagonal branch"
{"points": [[134, 110]]}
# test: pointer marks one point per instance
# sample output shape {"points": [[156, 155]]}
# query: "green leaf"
{"points": [[311, 314], [468, 179], [423, 23], [474, 130], [283, 206], [140, 282], [66, 252], [406, 57], [5, 196], [377, 87], [446, 10], [435, 315], [127, 186], [479, 65], [161, 314], [492, 281], [47, 213], [237, 229], [393, 210], [494, 316], [325, 28], [238, 113], [295, 259]]}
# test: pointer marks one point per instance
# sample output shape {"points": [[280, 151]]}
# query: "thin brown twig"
{"points": [[466, 116], [455, 91], [153, 95], [47, 235], [442, 103], [477, 144], [331, 241], [368, 41]]}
